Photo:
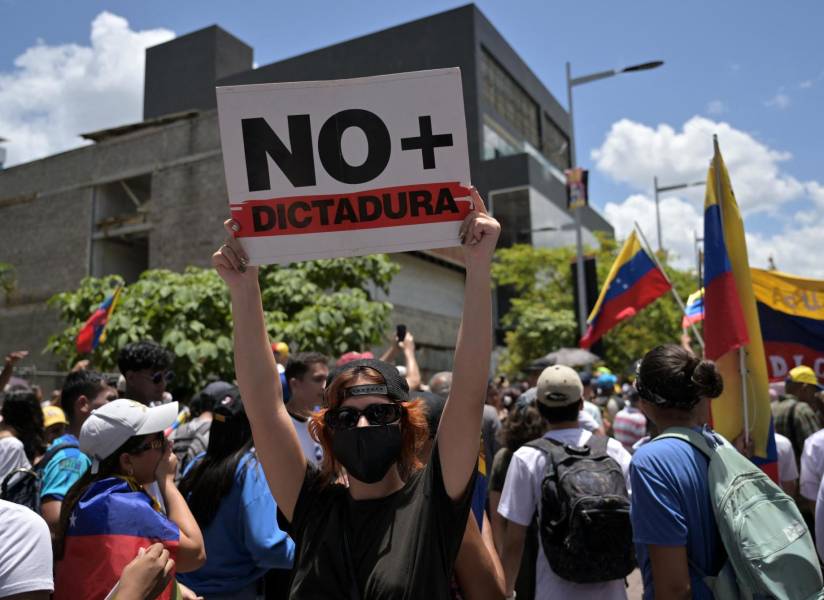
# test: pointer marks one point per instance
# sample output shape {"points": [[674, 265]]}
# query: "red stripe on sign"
{"points": [[369, 209]]}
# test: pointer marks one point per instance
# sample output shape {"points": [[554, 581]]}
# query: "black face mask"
{"points": [[368, 452]]}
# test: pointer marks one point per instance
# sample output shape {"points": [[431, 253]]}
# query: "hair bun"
{"points": [[707, 379]]}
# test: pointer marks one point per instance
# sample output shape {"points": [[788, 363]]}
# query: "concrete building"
{"points": [[117, 205]]}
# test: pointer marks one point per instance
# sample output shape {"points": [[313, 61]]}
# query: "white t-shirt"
{"points": [[25, 551], [520, 499], [311, 449], [595, 412], [812, 465], [787, 469], [819, 522], [12, 456]]}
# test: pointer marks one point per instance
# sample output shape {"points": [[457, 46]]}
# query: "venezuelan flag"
{"points": [[94, 329], [791, 314], [694, 310], [633, 282], [107, 527], [731, 320]]}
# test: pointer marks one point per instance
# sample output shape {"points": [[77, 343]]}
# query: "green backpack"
{"points": [[770, 552]]}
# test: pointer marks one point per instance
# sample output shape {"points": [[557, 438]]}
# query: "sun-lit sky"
{"points": [[751, 72]]}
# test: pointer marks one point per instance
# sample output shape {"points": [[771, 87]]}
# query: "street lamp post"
{"points": [[667, 188], [572, 82]]}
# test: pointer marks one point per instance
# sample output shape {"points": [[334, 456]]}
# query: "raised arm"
{"points": [[276, 441], [459, 432]]}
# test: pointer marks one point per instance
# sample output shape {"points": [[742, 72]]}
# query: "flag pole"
{"points": [[742, 353], [675, 295]]}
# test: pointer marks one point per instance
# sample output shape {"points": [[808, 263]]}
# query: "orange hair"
{"points": [[414, 428]]}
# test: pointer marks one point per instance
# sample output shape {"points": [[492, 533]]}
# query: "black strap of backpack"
{"points": [[50, 453]]}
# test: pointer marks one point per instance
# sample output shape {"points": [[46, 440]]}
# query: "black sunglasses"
{"points": [[347, 417], [156, 443], [159, 376]]}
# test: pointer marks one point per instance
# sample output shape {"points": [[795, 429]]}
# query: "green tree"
{"points": [[325, 305], [542, 316]]}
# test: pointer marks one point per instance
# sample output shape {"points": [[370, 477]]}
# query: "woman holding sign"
{"points": [[394, 532]]}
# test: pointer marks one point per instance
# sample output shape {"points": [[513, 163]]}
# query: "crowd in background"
{"points": [[358, 477]]}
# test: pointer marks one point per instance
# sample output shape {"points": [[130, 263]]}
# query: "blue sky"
{"points": [[757, 68]]}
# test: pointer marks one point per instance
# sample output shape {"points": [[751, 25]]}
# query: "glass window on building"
{"points": [[554, 143], [497, 142], [509, 99]]}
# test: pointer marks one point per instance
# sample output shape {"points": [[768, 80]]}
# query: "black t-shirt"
{"points": [[400, 546]]}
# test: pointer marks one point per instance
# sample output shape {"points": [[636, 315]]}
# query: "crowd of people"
{"points": [[356, 478]]}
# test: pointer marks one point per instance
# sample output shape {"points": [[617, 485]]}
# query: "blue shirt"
{"points": [[64, 469], [671, 506], [243, 541]]}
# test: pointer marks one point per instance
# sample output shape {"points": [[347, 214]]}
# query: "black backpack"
{"points": [[583, 522], [190, 440], [22, 485]]}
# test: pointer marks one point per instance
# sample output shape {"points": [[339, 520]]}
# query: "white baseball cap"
{"points": [[559, 386], [111, 425]]}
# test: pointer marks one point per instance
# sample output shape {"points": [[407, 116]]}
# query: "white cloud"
{"points": [[781, 101], [634, 153], [57, 92], [716, 107], [680, 220], [806, 84], [794, 248]]}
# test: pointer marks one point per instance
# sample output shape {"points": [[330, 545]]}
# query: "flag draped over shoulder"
{"points": [[633, 282], [791, 314], [107, 527], [694, 310], [731, 320], [94, 329]]}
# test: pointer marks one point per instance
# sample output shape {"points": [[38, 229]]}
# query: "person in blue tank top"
{"points": [[674, 529], [227, 493]]}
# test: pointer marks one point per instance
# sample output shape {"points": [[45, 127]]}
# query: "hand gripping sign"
{"points": [[344, 168]]}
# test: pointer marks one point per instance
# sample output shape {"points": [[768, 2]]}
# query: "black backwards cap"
{"points": [[394, 386]]}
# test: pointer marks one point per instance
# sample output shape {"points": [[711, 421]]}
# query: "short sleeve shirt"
{"points": [[805, 421], [812, 465], [25, 551], [520, 502], [312, 451], [12, 456], [64, 469], [671, 506], [787, 469], [401, 546]]}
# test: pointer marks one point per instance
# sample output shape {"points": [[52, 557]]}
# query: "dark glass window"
{"points": [[554, 143], [509, 99]]}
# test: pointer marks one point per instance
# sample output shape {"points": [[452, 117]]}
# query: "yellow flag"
{"points": [[728, 409]]}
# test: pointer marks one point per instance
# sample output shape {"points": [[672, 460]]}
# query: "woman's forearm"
{"points": [[191, 550]]}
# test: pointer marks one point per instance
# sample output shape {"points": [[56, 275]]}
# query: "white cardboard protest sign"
{"points": [[344, 168]]}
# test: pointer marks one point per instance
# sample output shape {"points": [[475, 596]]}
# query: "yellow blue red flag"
{"points": [[94, 329], [633, 282], [731, 321], [791, 314]]}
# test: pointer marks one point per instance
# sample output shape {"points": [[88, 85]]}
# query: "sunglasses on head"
{"points": [[347, 417]]}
